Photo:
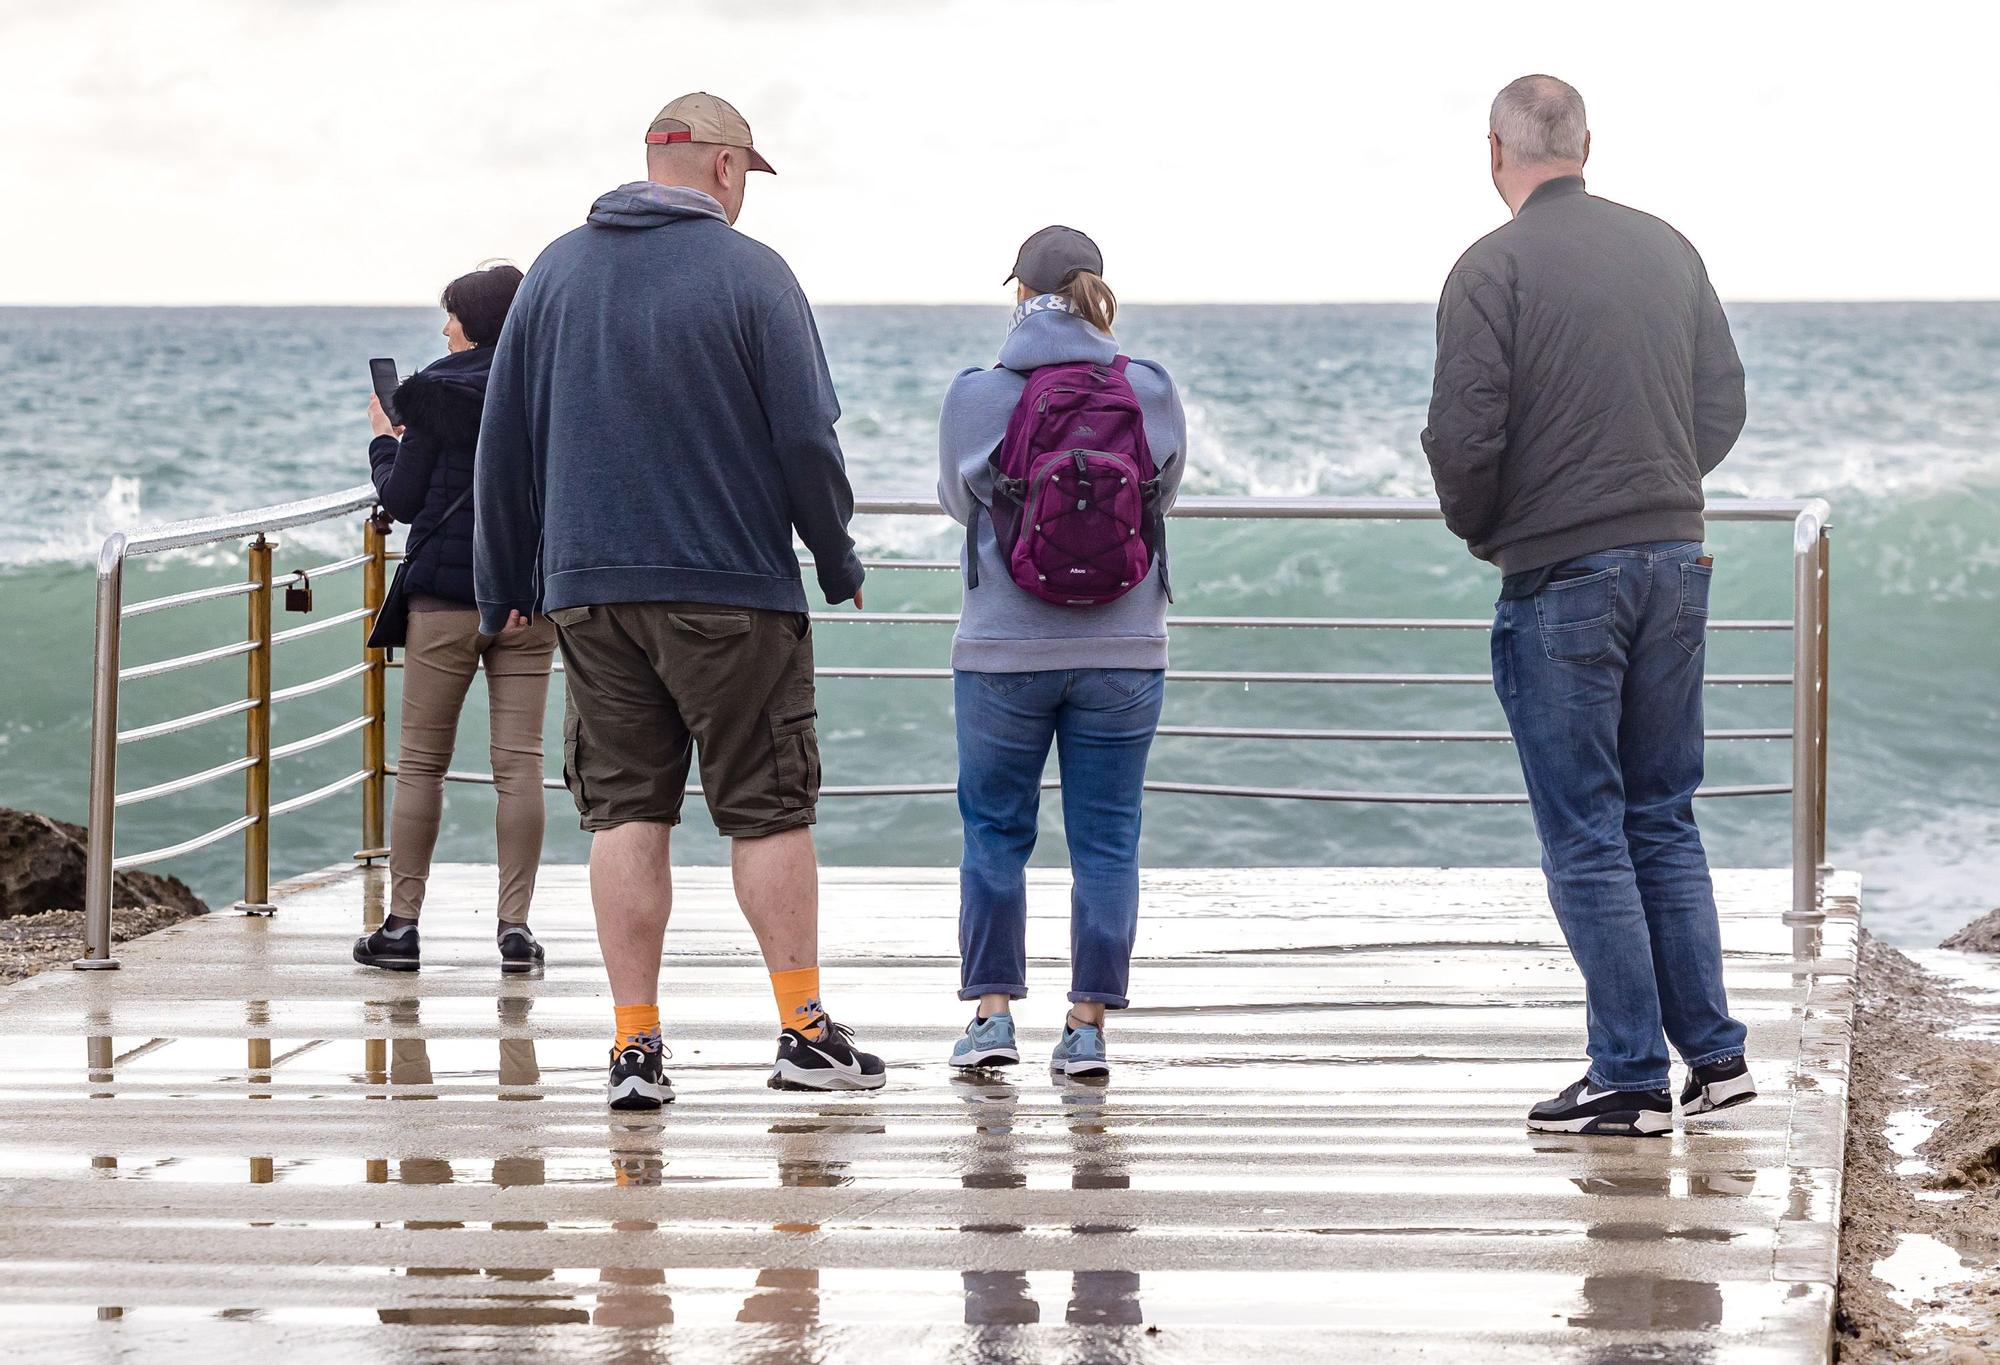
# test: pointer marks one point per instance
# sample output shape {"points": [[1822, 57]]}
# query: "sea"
{"points": [[115, 417]]}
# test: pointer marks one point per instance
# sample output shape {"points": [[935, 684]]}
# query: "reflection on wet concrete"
{"points": [[1322, 1147]]}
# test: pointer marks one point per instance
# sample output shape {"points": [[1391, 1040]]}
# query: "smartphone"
{"points": [[382, 373]]}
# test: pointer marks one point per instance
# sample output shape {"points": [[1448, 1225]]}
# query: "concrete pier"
{"points": [[242, 1145]]}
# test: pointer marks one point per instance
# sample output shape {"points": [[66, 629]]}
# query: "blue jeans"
{"points": [[1102, 722], [1600, 674]]}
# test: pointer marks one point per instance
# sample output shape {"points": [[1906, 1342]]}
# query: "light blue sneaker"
{"points": [[1081, 1051], [987, 1042]]}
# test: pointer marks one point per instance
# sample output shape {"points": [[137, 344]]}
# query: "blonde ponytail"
{"points": [[1092, 299]]}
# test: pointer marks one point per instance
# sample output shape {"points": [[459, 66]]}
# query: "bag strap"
{"points": [[411, 549], [1119, 363]]}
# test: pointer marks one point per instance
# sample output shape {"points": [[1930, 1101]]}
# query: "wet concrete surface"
{"points": [[1311, 1144]]}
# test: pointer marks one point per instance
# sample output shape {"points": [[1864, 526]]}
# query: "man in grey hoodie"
{"points": [[658, 423]]}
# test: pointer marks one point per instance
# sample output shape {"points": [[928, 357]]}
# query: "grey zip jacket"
{"points": [[1586, 382]]}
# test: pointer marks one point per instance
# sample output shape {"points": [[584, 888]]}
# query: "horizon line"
{"points": [[431, 305]]}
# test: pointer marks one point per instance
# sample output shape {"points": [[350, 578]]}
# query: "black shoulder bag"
{"points": [[392, 618]]}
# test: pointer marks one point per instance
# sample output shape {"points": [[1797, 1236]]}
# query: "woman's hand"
{"points": [[379, 419], [516, 623]]}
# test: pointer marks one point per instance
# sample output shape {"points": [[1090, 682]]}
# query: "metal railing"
{"points": [[1808, 625]]}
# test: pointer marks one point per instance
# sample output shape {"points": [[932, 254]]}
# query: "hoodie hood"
{"points": [[644, 204], [1053, 336]]}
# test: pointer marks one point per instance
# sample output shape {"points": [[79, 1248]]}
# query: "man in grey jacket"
{"points": [[1586, 382]]}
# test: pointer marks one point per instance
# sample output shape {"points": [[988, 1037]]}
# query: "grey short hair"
{"points": [[1539, 119]]}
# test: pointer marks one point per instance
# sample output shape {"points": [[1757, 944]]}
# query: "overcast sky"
{"points": [[362, 151]]}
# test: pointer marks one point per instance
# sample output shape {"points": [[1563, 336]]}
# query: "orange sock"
{"points": [[798, 998], [637, 1024]]}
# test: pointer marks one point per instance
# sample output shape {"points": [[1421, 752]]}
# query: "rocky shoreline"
{"points": [[54, 938], [41, 890]]}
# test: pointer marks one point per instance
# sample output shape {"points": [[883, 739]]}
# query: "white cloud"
{"points": [[365, 151]]}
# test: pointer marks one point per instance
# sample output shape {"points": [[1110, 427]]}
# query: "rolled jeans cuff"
{"points": [[1104, 998], [1013, 991]]}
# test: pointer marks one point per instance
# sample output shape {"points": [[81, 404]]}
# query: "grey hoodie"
{"points": [[1002, 628], [658, 423]]}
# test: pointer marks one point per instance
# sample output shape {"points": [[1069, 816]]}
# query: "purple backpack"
{"points": [[1076, 496]]}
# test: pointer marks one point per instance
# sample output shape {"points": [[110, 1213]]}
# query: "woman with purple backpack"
{"points": [[1061, 461]]}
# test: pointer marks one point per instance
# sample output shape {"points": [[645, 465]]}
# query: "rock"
{"points": [[42, 865], [1980, 936]]}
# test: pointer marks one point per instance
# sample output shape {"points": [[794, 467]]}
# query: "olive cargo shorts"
{"points": [[650, 682]]}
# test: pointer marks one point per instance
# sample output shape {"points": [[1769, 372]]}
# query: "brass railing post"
{"points": [[374, 691], [257, 738]]}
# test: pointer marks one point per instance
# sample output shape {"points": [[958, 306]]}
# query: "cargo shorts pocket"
{"points": [[572, 769], [1691, 621], [797, 748], [1575, 616], [711, 625]]}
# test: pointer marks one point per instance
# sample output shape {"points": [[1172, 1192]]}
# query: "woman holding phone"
{"points": [[1061, 461], [423, 473]]}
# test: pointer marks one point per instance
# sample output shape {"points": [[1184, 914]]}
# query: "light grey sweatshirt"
{"points": [[1003, 629]]}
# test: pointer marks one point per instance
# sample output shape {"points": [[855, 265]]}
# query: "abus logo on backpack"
{"points": [[1085, 516]]}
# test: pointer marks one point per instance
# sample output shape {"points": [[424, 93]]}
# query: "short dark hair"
{"points": [[480, 301]]}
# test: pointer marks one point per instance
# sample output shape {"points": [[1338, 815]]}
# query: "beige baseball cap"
{"points": [[702, 117]]}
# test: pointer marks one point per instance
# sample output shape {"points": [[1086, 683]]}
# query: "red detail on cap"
{"points": [[661, 139]]}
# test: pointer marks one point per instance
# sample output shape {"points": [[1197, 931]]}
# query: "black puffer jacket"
{"points": [[421, 475], [1586, 381]]}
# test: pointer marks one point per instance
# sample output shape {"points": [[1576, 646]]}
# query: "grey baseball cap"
{"points": [[1048, 259]]}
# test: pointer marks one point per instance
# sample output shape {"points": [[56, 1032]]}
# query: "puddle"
{"points": [[1919, 1267], [1906, 1130]]}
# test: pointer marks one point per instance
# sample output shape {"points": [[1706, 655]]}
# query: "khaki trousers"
{"points": [[445, 649]]}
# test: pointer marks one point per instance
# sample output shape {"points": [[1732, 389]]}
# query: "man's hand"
{"points": [[516, 623], [379, 419]]}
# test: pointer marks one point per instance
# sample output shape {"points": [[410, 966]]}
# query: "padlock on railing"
{"points": [[299, 595]]}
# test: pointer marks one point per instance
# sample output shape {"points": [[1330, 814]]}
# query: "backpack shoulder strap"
{"points": [[1119, 363]]}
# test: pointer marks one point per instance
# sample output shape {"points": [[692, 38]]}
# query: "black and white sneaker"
{"points": [[828, 1062], [393, 950], [1717, 1086], [638, 1075], [1584, 1108], [518, 950]]}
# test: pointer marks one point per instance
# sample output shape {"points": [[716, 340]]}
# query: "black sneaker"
{"points": [[1585, 1109], [518, 950], [828, 1062], [392, 950], [1717, 1086], [638, 1075]]}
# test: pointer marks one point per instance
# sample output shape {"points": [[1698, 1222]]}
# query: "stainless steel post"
{"points": [[1825, 685], [257, 738], [98, 875], [1806, 683]]}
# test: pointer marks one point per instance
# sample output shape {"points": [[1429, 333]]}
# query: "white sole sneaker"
{"points": [[789, 1076], [1081, 1069], [636, 1092], [992, 1056], [1721, 1095], [1618, 1123]]}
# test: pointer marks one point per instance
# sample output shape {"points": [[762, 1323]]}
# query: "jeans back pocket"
{"points": [[1575, 615], [1691, 621]]}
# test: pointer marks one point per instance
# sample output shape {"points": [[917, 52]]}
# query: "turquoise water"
{"points": [[115, 417]]}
